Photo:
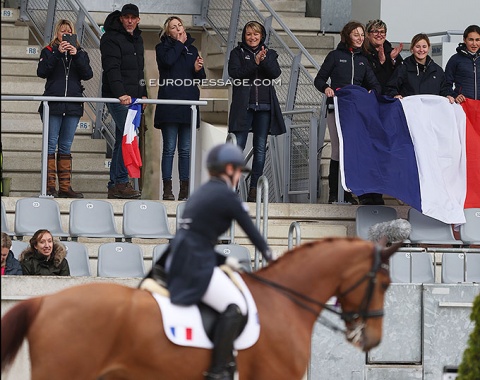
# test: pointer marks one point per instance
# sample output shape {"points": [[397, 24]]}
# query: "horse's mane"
{"points": [[299, 249]]}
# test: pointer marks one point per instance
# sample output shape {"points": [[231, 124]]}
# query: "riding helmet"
{"points": [[224, 154]]}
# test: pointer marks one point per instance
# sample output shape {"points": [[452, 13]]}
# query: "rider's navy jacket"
{"points": [[208, 213]]}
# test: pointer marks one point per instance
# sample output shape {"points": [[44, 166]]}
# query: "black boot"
{"points": [[252, 195], [227, 329], [333, 182], [183, 193], [167, 190]]}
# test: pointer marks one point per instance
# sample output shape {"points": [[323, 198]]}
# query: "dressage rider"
{"points": [[192, 269]]}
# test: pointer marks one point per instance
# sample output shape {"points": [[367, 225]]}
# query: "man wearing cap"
{"points": [[123, 77]]}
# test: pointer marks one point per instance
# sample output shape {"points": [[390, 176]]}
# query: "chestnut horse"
{"points": [[109, 331]]}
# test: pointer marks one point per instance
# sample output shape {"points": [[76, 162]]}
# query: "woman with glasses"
{"points": [[419, 74], [180, 67], [384, 59], [346, 65]]}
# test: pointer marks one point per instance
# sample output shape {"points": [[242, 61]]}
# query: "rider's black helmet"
{"points": [[222, 155]]}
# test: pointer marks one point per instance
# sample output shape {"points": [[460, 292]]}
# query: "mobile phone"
{"points": [[70, 38]]}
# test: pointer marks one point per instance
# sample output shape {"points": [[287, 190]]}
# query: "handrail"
{"points": [[46, 110], [262, 189], [294, 226]]}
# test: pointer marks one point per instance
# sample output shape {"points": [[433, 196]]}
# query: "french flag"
{"points": [[413, 149], [130, 149], [182, 332]]}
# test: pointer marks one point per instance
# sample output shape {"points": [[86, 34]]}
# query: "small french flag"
{"points": [[182, 332], [130, 149]]}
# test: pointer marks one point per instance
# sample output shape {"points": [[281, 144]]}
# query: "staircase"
{"points": [[22, 128]]}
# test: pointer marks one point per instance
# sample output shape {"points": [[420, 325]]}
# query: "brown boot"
{"points": [[125, 191], [183, 193], [64, 165], [252, 195], [52, 176], [167, 190]]}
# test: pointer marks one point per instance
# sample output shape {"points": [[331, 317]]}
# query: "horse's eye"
{"points": [[385, 286]]}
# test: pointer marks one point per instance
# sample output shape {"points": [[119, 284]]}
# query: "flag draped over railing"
{"points": [[413, 149], [130, 149]]}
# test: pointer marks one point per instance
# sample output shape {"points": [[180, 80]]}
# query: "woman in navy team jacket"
{"points": [[462, 70], [178, 65], [255, 106]]}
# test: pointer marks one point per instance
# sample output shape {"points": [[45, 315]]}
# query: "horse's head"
{"points": [[361, 297]]}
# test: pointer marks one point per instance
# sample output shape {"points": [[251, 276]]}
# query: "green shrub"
{"points": [[470, 366]]}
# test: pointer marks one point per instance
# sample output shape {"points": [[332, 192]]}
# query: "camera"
{"points": [[70, 38]]}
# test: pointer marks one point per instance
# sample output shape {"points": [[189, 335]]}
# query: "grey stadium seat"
{"points": [[368, 215], [470, 231], [4, 222], [120, 260], [240, 252], [77, 258], [158, 251], [412, 267], [426, 230], [472, 267], [33, 214], [18, 246], [145, 219], [453, 267], [92, 218]]}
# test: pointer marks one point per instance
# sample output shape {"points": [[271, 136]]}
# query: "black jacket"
{"points": [[176, 61], [122, 60], [383, 72], [344, 66], [12, 265], [412, 78], [34, 263], [242, 66], [463, 72], [208, 213], [64, 74]]}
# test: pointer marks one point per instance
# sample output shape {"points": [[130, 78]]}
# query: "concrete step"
{"points": [[26, 108], [34, 143], [85, 161], [23, 86], [9, 15], [29, 52], [12, 32], [19, 67], [29, 184], [6, 42], [284, 7], [30, 123]]}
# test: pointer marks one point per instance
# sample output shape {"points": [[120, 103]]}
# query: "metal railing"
{"points": [[261, 222], [46, 110]]}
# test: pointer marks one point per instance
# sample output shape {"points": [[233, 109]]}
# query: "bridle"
{"points": [[363, 312]]}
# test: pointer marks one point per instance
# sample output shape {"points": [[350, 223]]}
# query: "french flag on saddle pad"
{"points": [[182, 333], [414, 150], [130, 149]]}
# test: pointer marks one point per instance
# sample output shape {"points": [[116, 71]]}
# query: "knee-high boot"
{"points": [[64, 167], [52, 176], [227, 329]]}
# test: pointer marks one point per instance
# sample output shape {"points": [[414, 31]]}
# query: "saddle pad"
{"points": [[183, 324]]}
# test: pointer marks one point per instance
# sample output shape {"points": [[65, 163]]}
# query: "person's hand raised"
{"points": [[198, 64], [396, 51], [261, 55]]}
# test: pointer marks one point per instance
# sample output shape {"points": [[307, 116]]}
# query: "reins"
{"points": [[303, 301]]}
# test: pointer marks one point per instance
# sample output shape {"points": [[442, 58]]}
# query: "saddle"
{"points": [[194, 325]]}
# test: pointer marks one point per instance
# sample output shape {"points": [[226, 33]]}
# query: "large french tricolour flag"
{"points": [[413, 149], [130, 149]]}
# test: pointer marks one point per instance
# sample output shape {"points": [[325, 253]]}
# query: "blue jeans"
{"points": [[118, 171], [260, 122], [61, 131], [170, 132]]}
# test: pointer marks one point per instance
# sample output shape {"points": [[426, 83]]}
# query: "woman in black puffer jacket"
{"points": [[64, 64], [462, 70], [343, 66]]}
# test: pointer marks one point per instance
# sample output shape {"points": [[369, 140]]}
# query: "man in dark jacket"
{"points": [[123, 77], [10, 265]]}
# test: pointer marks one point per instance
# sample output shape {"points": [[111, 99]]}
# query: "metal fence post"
{"points": [[262, 189], [294, 226]]}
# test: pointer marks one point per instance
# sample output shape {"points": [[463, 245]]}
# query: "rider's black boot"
{"points": [[227, 329]]}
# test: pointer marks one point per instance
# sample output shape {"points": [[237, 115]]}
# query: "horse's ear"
{"points": [[389, 251]]}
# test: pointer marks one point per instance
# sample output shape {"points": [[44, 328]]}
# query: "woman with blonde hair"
{"points": [[64, 64]]}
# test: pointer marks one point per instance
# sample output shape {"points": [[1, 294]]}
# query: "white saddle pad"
{"points": [[183, 324]]}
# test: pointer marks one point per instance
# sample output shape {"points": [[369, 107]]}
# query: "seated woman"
{"points": [[10, 265], [419, 74], [192, 263], [44, 256]]}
